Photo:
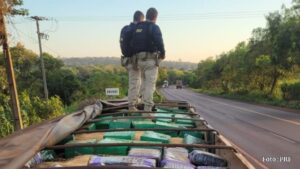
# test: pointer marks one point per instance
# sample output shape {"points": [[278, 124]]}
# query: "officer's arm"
{"points": [[158, 40]]}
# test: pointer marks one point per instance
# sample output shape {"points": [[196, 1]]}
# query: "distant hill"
{"points": [[79, 61]]}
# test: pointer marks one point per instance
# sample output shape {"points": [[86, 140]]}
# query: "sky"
{"points": [[193, 30]]}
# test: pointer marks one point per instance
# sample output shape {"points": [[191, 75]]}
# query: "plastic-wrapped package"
{"points": [[121, 160], [167, 120], [104, 124], [128, 135], [193, 133], [203, 158], [112, 150], [120, 123], [176, 165], [176, 154], [166, 125], [185, 125], [210, 167], [73, 162], [154, 136], [145, 153], [37, 159], [189, 139], [181, 121], [74, 151], [143, 124]]}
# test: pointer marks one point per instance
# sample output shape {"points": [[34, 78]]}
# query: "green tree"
{"points": [[64, 83]]}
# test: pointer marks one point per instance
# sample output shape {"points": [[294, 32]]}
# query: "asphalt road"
{"points": [[268, 137]]}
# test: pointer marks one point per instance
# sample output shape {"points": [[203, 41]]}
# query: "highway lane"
{"points": [[268, 137]]}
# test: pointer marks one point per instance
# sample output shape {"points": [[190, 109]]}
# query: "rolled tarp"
{"points": [[21, 146]]}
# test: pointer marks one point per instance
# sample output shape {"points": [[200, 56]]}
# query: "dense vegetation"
{"points": [[69, 88], [264, 69], [116, 61], [28, 77]]}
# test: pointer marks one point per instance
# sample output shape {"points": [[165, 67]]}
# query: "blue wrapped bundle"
{"points": [[203, 158], [121, 161], [145, 153], [176, 165]]}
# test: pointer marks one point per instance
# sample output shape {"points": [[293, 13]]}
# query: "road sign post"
{"points": [[111, 92]]}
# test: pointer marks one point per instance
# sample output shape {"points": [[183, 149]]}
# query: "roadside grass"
{"points": [[253, 97]]}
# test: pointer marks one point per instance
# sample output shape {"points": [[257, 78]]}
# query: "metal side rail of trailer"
{"points": [[107, 135]]}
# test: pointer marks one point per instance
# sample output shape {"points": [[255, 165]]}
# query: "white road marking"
{"points": [[252, 111]]}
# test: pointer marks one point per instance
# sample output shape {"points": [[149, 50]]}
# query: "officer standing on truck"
{"points": [[126, 36], [148, 50], [125, 44]]}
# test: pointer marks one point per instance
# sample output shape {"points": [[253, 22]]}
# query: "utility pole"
{"points": [[40, 35], [18, 124]]}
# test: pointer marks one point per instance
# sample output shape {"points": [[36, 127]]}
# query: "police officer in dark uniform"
{"points": [[126, 35], [148, 50]]}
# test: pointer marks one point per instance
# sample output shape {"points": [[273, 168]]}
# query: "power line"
{"points": [[31, 38], [40, 37], [182, 16]]}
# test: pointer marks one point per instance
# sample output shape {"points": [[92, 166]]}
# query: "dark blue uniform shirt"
{"points": [[147, 38]]}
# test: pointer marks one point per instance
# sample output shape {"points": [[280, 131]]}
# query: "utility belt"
{"points": [[145, 56], [141, 56]]}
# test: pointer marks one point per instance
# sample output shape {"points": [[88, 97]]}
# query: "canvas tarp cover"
{"points": [[20, 147]]}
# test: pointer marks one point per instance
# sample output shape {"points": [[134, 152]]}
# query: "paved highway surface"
{"points": [[268, 137]]}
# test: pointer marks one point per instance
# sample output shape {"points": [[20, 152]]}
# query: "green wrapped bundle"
{"points": [[104, 124], [143, 124], [74, 151], [127, 135], [189, 139], [112, 150], [167, 126], [170, 116], [186, 125], [120, 124], [155, 137], [180, 121], [198, 134]]}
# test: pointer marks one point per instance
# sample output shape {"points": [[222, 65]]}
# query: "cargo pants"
{"points": [[142, 71]]}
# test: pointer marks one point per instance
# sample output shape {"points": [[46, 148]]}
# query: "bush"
{"points": [[291, 91], [48, 109], [6, 122], [28, 110]]}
